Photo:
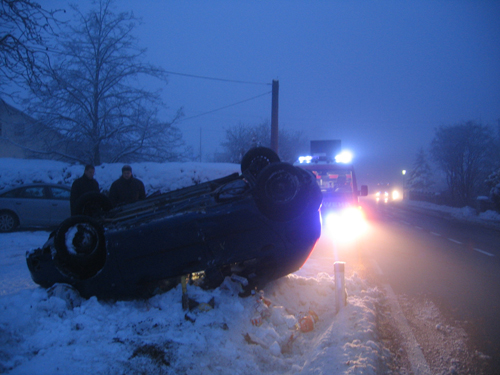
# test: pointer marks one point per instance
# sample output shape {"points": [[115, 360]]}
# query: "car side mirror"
{"points": [[364, 191]]}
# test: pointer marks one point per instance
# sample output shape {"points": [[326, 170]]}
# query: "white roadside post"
{"points": [[340, 297]]}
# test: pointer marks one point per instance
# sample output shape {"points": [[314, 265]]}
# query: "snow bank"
{"points": [[465, 213], [156, 176], [45, 333]]}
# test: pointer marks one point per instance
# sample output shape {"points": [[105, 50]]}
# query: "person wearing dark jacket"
{"points": [[127, 189], [83, 185]]}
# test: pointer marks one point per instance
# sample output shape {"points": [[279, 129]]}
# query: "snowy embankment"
{"points": [[57, 332], [468, 214], [156, 176]]}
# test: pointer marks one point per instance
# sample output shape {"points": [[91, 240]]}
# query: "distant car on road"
{"points": [[34, 205], [385, 193], [261, 224]]}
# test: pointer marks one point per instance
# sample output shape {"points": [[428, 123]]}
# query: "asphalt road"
{"points": [[449, 263]]}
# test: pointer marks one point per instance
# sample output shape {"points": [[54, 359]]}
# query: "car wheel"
{"points": [[256, 159], [80, 249], [8, 221], [92, 204], [280, 193]]}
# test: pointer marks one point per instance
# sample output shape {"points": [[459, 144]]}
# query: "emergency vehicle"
{"points": [[335, 176]]}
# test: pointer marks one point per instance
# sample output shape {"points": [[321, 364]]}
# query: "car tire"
{"points": [[257, 158], [92, 204], [8, 221], [280, 193], [80, 248]]}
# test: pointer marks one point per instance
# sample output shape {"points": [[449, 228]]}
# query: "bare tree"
{"points": [[92, 99], [241, 138], [421, 174], [292, 144], [464, 153], [24, 32]]}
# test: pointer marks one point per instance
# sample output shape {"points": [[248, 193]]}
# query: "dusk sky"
{"points": [[379, 75]]}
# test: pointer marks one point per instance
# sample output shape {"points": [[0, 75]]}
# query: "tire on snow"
{"points": [[257, 158], [80, 248], [280, 192]]}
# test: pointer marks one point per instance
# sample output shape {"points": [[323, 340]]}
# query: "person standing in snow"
{"points": [[83, 185], [127, 189]]}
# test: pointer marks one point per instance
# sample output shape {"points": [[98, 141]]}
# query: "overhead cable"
{"points": [[218, 79], [227, 106]]}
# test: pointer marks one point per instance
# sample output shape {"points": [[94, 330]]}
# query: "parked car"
{"points": [[34, 205], [261, 224]]}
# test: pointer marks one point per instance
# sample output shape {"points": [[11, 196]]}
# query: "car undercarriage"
{"points": [[261, 224]]}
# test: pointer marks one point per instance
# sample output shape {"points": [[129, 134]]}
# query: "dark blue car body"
{"points": [[261, 225]]}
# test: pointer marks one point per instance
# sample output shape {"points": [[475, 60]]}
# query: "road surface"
{"points": [[444, 277]]}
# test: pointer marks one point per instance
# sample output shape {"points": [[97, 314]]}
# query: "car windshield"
{"points": [[339, 181]]}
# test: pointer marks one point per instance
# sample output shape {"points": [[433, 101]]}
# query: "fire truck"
{"points": [[335, 176]]}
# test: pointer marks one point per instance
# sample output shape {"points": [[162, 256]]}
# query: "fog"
{"points": [[380, 76]]}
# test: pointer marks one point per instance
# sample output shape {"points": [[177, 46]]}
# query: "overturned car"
{"points": [[261, 224]]}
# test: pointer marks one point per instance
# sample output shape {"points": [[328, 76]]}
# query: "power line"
{"points": [[56, 51], [227, 106], [218, 79]]}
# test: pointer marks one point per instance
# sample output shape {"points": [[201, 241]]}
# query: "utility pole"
{"points": [[274, 115]]}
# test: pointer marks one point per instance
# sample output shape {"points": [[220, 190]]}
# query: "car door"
{"points": [[59, 204], [32, 206]]}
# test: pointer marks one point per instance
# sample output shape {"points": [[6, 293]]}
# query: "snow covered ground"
{"points": [[57, 332]]}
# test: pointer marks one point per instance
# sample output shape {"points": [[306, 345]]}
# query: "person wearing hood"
{"points": [[83, 185], [127, 189]]}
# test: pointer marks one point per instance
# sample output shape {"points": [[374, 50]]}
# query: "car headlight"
{"points": [[346, 225]]}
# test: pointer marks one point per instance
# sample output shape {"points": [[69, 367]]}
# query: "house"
{"points": [[19, 135], [14, 128]]}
